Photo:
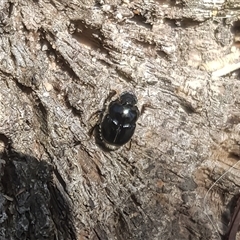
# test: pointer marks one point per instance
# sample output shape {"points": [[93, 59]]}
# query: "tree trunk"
{"points": [[60, 60]]}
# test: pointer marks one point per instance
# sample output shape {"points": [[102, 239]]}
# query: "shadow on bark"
{"points": [[31, 205]]}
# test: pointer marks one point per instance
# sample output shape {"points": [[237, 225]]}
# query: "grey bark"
{"points": [[58, 62]]}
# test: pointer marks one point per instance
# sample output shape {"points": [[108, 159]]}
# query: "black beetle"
{"points": [[119, 122]]}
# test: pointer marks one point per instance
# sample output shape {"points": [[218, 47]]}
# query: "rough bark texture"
{"points": [[58, 62]]}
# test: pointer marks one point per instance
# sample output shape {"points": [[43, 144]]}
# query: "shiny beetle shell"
{"points": [[118, 125]]}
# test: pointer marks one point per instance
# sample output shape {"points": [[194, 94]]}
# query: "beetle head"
{"points": [[128, 99]]}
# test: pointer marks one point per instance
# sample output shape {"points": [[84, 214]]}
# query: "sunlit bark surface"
{"points": [[59, 60]]}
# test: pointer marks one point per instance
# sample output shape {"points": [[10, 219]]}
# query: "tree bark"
{"points": [[60, 60]]}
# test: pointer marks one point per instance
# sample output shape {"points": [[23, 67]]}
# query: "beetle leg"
{"points": [[145, 106], [109, 97], [93, 116], [130, 145], [100, 113]]}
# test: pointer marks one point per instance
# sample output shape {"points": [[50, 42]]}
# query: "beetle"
{"points": [[118, 124]]}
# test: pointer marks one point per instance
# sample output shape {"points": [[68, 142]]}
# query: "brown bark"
{"points": [[59, 60]]}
